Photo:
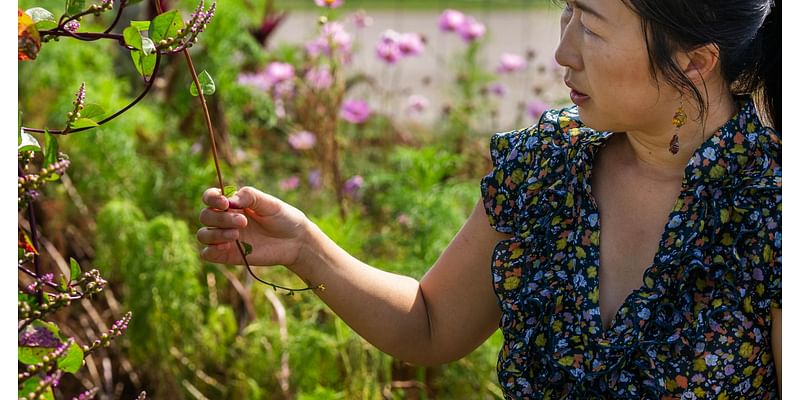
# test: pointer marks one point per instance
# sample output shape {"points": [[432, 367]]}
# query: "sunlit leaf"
{"points": [[140, 25], [28, 41], [74, 269], [229, 190], [165, 25], [30, 386], [92, 111], [132, 37], [50, 149], [145, 64], [24, 242], [206, 84], [28, 142], [39, 14], [75, 6], [82, 123], [72, 359]]}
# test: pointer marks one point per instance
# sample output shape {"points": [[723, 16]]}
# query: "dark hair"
{"points": [[747, 32]]}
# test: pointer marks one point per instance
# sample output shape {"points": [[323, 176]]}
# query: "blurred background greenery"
{"points": [[130, 201]]}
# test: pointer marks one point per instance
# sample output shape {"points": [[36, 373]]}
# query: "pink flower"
{"points": [[411, 44], [329, 3], [315, 178], [355, 111], [302, 140], [258, 80], [279, 72], [353, 185], [361, 19], [319, 77], [471, 29], [290, 183], [536, 108], [388, 48], [510, 63], [332, 32], [498, 89], [417, 103], [450, 20], [72, 26]]}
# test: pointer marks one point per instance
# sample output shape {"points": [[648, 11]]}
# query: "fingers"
{"points": [[220, 253], [213, 198], [213, 236], [222, 219], [256, 200]]}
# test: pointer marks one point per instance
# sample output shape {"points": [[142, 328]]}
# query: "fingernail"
{"points": [[240, 220]]}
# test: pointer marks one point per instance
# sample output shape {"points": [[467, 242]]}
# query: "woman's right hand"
{"points": [[276, 230]]}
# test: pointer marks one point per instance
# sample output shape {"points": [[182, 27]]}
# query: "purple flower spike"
{"points": [[87, 395], [355, 111], [72, 26], [329, 3], [450, 20], [38, 337]]}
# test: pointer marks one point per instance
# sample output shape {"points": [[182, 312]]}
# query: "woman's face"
{"points": [[603, 49]]}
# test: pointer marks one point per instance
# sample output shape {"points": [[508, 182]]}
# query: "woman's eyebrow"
{"points": [[590, 10]]}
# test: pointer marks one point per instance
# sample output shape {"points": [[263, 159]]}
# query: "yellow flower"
{"points": [[511, 283]]}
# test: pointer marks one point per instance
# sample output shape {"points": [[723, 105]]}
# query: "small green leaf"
{"points": [[145, 64], [82, 123], [28, 143], [46, 25], [248, 248], [93, 112], [165, 25], [132, 37], [30, 385], [74, 269], [72, 359], [206, 83], [39, 14], [62, 283], [75, 6], [140, 25], [229, 191], [50, 149]]}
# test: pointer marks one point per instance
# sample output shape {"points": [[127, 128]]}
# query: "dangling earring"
{"points": [[678, 120]]}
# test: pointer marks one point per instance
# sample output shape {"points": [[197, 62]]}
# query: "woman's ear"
{"points": [[700, 63]]}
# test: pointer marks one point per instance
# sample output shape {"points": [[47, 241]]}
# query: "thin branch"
{"points": [[122, 5], [116, 114], [86, 36], [34, 242]]}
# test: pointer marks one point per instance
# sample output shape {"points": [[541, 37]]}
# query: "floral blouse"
{"points": [[698, 327]]}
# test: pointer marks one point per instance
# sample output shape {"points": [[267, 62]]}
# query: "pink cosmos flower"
{"points": [[290, 183], [355, 111], [471, 29], [302, 140], [258, 80], [329, 3], [450, 20], [279, 72], [361, 19], [411, 44], [498, 89], [319, 77], [417, 103], [332, 32], [510, 63], [388, 47], [536, 108]]}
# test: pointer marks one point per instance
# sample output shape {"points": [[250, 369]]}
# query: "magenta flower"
{"points": [[329, 3], [303, 140], [510, 63], [411, 44], [471, 29], [332, 33], [450, 20], [355, 111], [290, 183], [258, 80], [388, 48], [361, 20], [498, 89], [417, 103], [319, 77], [353, 185], [536, 108], [279, 72], [72, 26]]}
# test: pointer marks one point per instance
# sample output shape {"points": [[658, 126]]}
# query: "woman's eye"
{"points": [[588, 31]]}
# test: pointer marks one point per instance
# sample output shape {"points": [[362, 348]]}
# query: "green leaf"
{"points": [[28, 143], [206, 83], [140, 25], [229, 191], [30, 385], [83, 123], [50, 149], [145, 64], [165, 25], [93, 112], [132, 37], [62, 283], [39, 14], [74, 269], [46, 25], [72, 359], [75, 6], [248, 248]]}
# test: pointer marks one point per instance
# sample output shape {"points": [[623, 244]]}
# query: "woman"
{"points": [[680, 299]]}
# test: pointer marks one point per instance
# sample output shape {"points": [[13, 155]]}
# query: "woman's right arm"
{"points": [[441, 318]]}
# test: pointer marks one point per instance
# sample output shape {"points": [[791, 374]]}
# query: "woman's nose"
{"points": [[568, 52]]}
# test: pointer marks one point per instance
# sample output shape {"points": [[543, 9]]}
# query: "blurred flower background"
{"points": [[373, 117]]}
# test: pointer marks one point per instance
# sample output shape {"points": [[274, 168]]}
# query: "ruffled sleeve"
{"points": [[499, 189], [774, 255]]}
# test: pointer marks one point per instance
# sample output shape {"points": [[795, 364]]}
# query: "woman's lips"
{"points": [[578, 98]]}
